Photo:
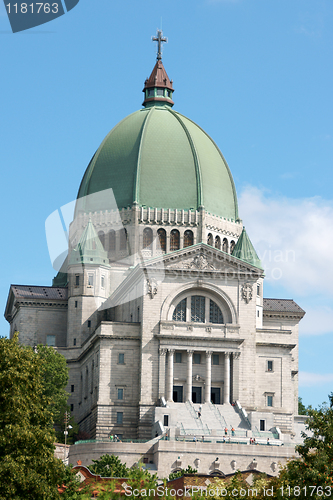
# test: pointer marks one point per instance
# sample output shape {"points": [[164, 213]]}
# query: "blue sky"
{"points": [[255, 74]]}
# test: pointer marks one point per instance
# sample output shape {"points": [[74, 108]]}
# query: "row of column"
{"points": [[208, 382]]}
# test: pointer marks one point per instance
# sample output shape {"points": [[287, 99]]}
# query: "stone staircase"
{"points": [[214, 419]]}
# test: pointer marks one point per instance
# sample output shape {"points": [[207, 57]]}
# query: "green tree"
{"points": [[302, 409], [28, 468], [180, 473], [109, 466], [314, 468], [55, 378]]}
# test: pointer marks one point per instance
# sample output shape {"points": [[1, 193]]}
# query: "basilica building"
{"points": [[159, 306]]}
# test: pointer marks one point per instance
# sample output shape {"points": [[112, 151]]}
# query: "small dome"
{"points": [[158, 158]]}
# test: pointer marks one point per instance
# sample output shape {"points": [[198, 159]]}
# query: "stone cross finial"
{"points": [[159, 39]]}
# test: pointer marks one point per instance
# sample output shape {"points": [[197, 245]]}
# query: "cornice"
{"points": [[51, 303]]}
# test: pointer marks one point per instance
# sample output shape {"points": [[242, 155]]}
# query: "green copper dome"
{"points": [[158, 158]]}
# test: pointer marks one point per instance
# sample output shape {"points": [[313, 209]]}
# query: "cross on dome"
{"points": [[159, 39]]}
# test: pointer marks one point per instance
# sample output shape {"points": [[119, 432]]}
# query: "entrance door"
{"points": [[216, 395], [178, 393], [196, 394]]}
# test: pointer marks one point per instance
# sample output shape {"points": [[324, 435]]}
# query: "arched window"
{"points": [[225, 245], [198, 308], [218, 242], [123, 239], [162, 239], [215, 313], [188, 238], [174, 240], [232, 246], [101, 236], [210, 240], [147, 237], [179, 314], [112, 241], [201, 309]]}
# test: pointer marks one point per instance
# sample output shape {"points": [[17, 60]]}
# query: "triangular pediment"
{"points": [[203, 258], [200, 260]]}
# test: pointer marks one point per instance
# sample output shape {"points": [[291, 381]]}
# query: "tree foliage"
{"points": [[315, 465], [55, 378], [109, 466], [180, 473], [302, 409], [28, 468]]}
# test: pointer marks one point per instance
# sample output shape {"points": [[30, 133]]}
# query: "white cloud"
{"points": [[307, 379], [317, 321], [293, 238]]}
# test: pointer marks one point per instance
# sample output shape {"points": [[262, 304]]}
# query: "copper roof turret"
{"points": [[158, 87]]}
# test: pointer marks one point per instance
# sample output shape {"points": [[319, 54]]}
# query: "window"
{"points": [[120, 393], [269, 366], [76, 304], [196, 358], [101, 236], [210, 240], [150, 92], [112, 241], [269, 400], [262, 425], [198, 308], [89, 323], [72, 388], [178, 357], [166, 420], [121, 358], [179, 313], [174, 240], [123, 239], [215, 314], [258, 289], [160, 91], [120, 417], [102, 281], [225, 245], [147, 237], [74, 341], [72, 407], [218, 242], [50, 340], [169, 93], [77, 280], [188, 238], [216, 359], [91, 280], [162, 239], [232, 246]]}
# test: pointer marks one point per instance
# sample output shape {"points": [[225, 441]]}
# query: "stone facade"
{"points": [[160, 309]]}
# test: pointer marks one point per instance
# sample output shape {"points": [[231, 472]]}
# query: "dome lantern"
{"points": [[158, 87]]}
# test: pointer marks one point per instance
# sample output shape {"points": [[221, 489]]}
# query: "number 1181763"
{"points": [[308, 491], [33, 8]]}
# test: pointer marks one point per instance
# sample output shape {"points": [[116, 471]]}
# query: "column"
{"points": [[208, 385], [226, 378], [189, 376], [170, 374], [161, 373]]}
